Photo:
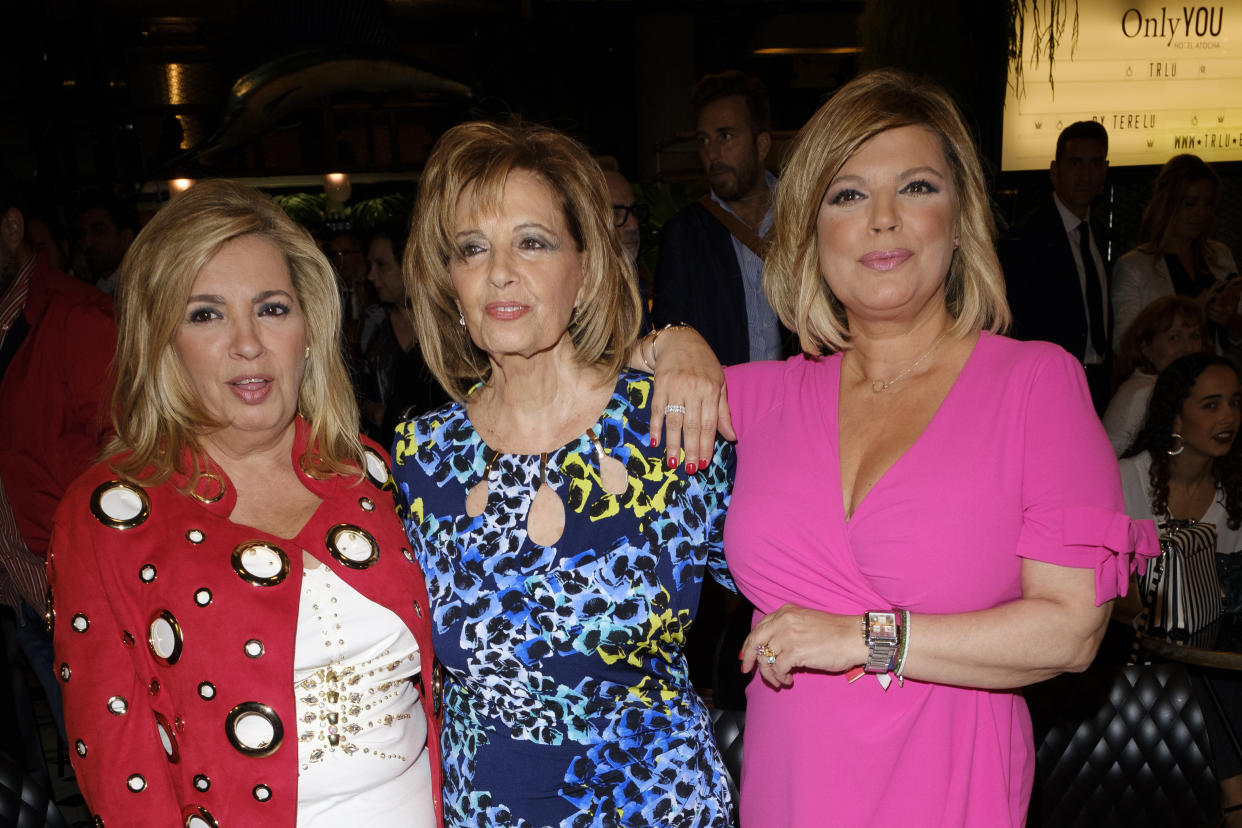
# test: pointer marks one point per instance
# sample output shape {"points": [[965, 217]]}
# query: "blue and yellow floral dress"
{"points": [[567, 697]]}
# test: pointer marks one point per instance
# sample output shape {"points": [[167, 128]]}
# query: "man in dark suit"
{"points": [[1055, 272], [710, 270]]}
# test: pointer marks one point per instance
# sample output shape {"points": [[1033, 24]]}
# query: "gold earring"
{"points": [[307, 352]]}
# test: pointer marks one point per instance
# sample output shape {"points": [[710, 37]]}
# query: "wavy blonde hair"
{"points": [[156, 411], [863, 108], [480, 156], [1158, 224]]}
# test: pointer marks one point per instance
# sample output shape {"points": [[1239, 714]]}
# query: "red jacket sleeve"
{"points": [[114, 739]]}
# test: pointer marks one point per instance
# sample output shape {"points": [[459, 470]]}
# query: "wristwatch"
{"points": [[880, 631]]}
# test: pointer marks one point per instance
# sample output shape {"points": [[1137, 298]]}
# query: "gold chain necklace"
{"points": [[878, 386]]}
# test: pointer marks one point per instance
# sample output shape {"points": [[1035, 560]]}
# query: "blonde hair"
{"points": [[155, 409], [1158, 224], [480, 156], [863, 108]]}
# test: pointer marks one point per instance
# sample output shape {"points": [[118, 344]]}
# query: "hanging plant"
{"points": [[1048, 20], [311, 210], [381, 211], [307, 209]]}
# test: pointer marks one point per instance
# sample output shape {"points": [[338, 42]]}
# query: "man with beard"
{"points": [[106, 227], [710, 269]]}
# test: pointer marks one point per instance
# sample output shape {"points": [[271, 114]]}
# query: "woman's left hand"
{"points": [[688, 374], [798, 637]]}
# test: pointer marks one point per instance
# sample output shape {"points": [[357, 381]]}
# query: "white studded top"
{"points": [[362, 734]]}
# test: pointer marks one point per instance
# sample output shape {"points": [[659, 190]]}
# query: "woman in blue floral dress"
{"points": [[564, 554]]}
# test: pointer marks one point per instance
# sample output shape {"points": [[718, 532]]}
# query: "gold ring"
{"points": [[767, 652]]}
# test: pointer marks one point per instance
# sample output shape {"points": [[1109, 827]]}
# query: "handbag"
{"points": [[1181, 589]]}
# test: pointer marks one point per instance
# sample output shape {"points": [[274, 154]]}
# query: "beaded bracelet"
{"points": [[904, 647]]}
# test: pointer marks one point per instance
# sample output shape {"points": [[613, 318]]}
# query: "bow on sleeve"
{"points": [[1115, 545]]}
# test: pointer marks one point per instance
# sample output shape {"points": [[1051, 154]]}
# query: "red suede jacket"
{"points": [[166, 641]]}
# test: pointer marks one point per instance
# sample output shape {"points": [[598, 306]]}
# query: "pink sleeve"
{"points": [[1073, 510]]}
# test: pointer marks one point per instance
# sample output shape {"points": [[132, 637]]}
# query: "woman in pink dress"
{"points": [[949, 488]]}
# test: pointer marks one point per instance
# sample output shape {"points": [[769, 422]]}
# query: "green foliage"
{"points": [[307, 209], [311, 210], [382, 211]]}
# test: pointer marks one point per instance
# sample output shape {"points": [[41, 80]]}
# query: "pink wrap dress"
{"points": [[1013, 465]]}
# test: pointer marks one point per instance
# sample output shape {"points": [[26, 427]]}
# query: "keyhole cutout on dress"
{"points": [[545, 517], [545, 520], [612, 474], [476, 497]]}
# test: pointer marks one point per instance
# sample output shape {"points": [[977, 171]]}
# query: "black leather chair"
{"points": [[1121, 746], [25, 801], [729, 726]]}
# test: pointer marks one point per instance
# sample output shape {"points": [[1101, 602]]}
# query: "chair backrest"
{"points": [[1123, 746], [25, 801]]}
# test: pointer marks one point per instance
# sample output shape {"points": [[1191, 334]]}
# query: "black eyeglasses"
{"points": [[621, 213]]}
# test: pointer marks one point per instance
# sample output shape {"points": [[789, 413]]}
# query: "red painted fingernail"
{"points": [[702, 465], [672, 462], [690, 468], [655, 441], [741, 653]]}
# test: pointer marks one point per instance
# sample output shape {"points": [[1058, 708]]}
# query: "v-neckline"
{"points": [[887, 473]]}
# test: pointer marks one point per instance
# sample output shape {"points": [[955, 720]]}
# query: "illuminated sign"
{"points": [[1163, 79]]}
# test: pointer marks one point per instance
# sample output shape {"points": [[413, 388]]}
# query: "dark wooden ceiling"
{"points": [[115, 92]]}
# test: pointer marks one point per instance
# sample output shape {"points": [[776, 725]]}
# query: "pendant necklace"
{"points": [[877, 386]]}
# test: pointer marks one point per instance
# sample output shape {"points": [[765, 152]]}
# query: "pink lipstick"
{"points": [[507, 310], [251, 390], [885, 259]]}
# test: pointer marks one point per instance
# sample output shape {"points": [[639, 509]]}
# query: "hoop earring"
{"points": [[1174, 452]]}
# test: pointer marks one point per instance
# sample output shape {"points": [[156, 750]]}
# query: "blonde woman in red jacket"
{"points": [[240, 632]]}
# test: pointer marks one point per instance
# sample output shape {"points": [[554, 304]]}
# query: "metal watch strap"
{"points": [[881, 649]]}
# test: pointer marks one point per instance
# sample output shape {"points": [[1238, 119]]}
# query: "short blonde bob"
{"points": [[860, 110], [155, 409], [480, 156]]}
